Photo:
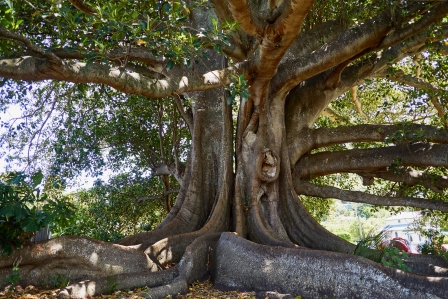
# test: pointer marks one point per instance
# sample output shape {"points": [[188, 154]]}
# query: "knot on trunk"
{"points": [[267, 166]]}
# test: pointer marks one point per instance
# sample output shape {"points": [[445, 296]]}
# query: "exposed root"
{"points": [[75, 259], [107, 285], [235, 263], [241, 264], [193, 266]]}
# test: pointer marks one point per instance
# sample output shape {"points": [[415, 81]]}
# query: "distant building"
{"points": [[401, 225]]}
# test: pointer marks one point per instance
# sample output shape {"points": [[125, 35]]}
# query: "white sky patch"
{"points": [[13, 111]]}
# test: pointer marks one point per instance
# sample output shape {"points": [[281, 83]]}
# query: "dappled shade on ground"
{"points": [[198, 290]]}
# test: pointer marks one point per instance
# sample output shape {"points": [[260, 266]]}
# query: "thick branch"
{"points": [[367, 36], [38, 69], [309, 139], [436, 13], [275, 39], [242, 14], [307, 188], [410, 177], [372, 159], [307, 101]]}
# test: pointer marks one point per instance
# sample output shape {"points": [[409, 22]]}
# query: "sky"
{"points": [[13, 111], [83, 181]]}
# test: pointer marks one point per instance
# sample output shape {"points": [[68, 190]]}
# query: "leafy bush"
{"points": [[345, 236], [373, 248], [24, 209], [110, 211], [434, 244]]}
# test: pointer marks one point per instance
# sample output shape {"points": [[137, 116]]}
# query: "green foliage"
{"points": [[372, 247], [24, 209], [59, 281], [14, 278], [433, 245], [238, 89], [345, 236], [110, 211], [7, 15], [318, 208], [393, 257]]}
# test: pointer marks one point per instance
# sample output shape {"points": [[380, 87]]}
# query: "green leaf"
{"points": [[170, 65], [31, 225], [166, 7], [215, 24], [134, 14], [36, 179]]}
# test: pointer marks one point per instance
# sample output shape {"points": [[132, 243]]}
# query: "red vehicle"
{"points": [[399, 243]]}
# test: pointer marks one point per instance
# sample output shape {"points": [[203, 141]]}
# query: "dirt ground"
{"points": [[197, 290]]}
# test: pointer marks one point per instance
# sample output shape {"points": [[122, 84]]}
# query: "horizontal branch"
{"points": [[309, 189], [312, 94], [410, 177], [372, 159], [37, 69], [401, 77], [309, 139]]}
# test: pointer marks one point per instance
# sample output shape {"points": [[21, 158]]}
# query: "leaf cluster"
{"points": [[238, 89], [24, 209], [110, 211], [374, 248]]}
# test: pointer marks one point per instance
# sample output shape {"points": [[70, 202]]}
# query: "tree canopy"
{"points": [[254, 113]]}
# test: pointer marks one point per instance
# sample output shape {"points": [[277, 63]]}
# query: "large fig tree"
{"points": [[282, 101]]}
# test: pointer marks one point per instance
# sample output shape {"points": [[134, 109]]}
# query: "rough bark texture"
{"points": [[241, 264]]}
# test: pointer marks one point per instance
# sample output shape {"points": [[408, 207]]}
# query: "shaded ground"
{"points": [[196, 290]]}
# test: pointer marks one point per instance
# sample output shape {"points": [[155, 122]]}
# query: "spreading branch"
{"points": [[38, 69], [410, 177], [372, 159], [369, 35], [309, 139], [307, 188], [242, 14]]}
